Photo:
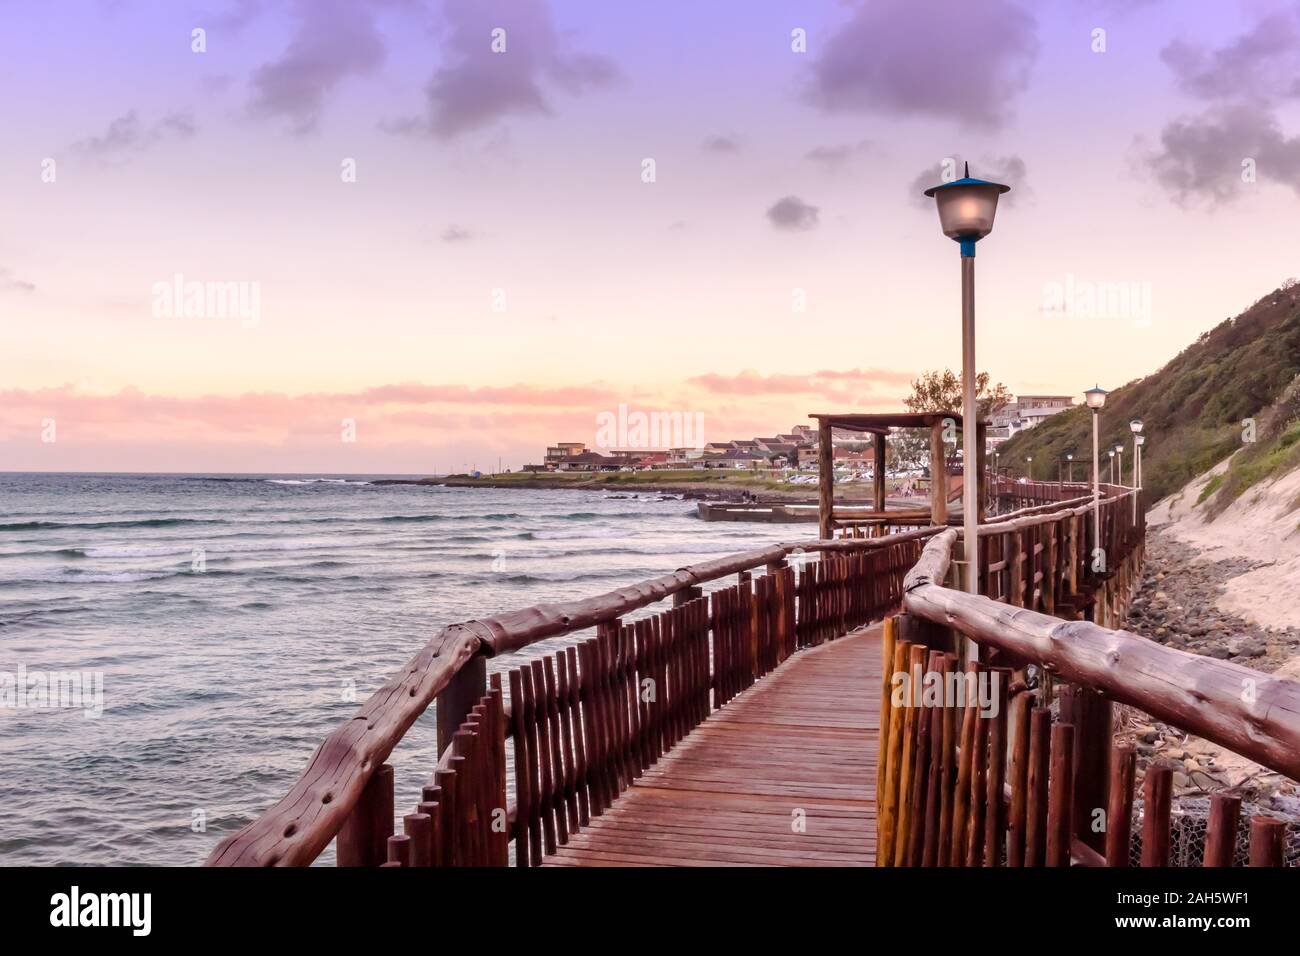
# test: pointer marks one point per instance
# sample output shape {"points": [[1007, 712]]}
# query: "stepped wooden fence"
{"points": [[529, 758], [974, 770]]}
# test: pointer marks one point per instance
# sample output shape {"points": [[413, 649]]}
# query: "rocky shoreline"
{"points": [[1177, 605]]}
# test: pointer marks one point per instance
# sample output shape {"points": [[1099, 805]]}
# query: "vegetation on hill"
{"points": [[1194, 408]]}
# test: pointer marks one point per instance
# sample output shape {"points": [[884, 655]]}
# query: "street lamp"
{"points": [[1111, 452], [1070, 459], [1029, 460], [1138, 441], [1119, 461], [1096, 398], [966, 210]]}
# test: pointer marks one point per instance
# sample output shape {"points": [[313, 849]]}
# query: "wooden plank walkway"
{"points": [[802, 743]]}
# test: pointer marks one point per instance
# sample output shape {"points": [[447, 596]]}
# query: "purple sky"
{"points": [[500, 271]]}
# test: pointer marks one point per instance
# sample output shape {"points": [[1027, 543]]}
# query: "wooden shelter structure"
{"points": [[878, 425]]}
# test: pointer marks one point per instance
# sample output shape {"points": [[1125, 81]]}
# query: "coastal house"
{"points": [[590, 461], [562, 451]]}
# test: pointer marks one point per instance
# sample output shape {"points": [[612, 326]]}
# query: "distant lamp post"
{"points": [[1096, 399], [1119, 462], [1029, 461], [1070, 459], [966, 210], [1111, 453], [1138, 441]]}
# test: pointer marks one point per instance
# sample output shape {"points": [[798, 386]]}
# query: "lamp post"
{"points": [[966, 210], [1111, 453], [1096, 398], [1136, 426], [1029, 460], [1070, 458], [1119, 461]]}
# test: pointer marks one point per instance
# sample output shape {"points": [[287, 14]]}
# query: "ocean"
{"points": [[227, 622]]}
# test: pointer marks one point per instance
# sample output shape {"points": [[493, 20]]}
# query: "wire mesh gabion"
{"points": [[1189, 825]]}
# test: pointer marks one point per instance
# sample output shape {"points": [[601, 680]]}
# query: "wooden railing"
{"points": [[581, 722], [962, 783]]}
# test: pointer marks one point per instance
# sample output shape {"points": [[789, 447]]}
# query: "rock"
{"points": [[1221, 653], [1150, 737]]}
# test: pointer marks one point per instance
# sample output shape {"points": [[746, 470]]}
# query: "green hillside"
{"points": [[1193, 406]]}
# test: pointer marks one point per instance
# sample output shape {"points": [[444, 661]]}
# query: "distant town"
{"points": [[795, 450]]}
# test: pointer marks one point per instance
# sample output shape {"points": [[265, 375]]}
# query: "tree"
{"points": [[937, 391]]}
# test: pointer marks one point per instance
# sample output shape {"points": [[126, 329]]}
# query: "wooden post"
{"points": [[363, 839], [938, 476], [878, 474], [1119, 813], [1267, 841], [1157, 795], [981, 469], [458, 699], [1060, 791], [1221, 832], [1040, 728], [825, 480]]}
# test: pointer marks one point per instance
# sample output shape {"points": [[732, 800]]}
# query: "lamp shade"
{"points": [[1095, 397], [1140, 441], [1136, 425], [967, 206]]}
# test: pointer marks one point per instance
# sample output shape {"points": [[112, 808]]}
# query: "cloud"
{"points": [[128, 135], [10, 284], [455, 233], [947, 59], [476, 86], [1204, 157], [846, 385], [334, 39], [1200, 158], [722, 144], [792, 214], [1009, 170], [837, 157], [1259, 65]]}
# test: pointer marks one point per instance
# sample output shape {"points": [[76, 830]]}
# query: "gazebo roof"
{"points": [[880, 422]]}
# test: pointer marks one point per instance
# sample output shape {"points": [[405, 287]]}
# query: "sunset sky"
{"points": [[500, 271]]}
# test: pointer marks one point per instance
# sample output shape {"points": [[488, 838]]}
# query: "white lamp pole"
{"points": [[966, 210], [1136, 427], [1096, 398], [1119, 462]]}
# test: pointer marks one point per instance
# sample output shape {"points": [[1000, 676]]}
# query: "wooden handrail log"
{"points": [[1249, 712], [301, 824]]}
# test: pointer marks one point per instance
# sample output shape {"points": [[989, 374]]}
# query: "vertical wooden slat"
{"points": [[965, 770], [420, 831], [1157, 794], [930, 841], [447, 784], [920, 772], [1019, 779], [902, 839], [1267, 841], [1221, 831], [1119, 810], [523, 769], [1060, 793], [545, 802], [995, 815], [978, 781], [951, 726], [363, 838], [558, 769], [579, 735]]}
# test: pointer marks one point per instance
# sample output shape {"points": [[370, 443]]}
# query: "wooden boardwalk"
{"points": [[800, 746]]}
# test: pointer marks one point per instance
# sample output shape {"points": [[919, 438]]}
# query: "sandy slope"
{"points": [[1262, 526]]}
